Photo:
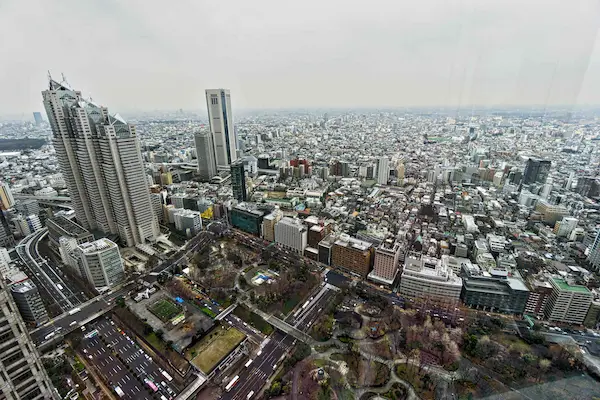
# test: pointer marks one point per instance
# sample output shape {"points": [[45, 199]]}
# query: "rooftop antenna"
{"points": [[64, 80]]}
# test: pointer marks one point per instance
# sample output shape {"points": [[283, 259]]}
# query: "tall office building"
{"points": [[6, 237], [22, 375], [37, 116], [536, 170], [238, 181], [28, 300], [220, 117], [6, 197], [99, 156], [205, 153], [100, 263], [383, 170]]}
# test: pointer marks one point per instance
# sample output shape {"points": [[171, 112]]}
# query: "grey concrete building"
{"points": [[28, 300]]}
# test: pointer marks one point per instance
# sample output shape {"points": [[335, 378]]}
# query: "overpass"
{"points": [[41, 198], [284, 326]]}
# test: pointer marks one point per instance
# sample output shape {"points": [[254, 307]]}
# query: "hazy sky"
{"points": [[150, 54]]}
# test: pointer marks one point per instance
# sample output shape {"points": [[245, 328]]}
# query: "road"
{"points": [[269, 357], [46, 275], [66, 322], [115, 354], [254, 377], [99, 305]]}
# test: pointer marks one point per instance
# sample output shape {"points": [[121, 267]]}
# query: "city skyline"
{"points": [[390, 55]]}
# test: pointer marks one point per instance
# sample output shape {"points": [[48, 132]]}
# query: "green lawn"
{"points": [[156, 342], [213, 347], [208, 312], [165, 309]]}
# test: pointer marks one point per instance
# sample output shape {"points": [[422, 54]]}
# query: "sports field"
{"points": [[213, 347], [165, 309]]}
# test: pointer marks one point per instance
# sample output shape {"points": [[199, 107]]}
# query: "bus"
{"points": [[59, 286], [119, 391], [232, 383], [250, 394], [75, 310], [248, 363], [169, 378], [91, 334], [150, 384]]}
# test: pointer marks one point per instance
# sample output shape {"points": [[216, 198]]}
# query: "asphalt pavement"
{"points": [[254, 377], [66, 322], [128, 351]]}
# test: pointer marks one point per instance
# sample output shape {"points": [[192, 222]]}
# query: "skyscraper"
{"points": [[99, 156], [6, 197], [22, 375], [220, 117], [536, 171], [205, 152], [383, 170], [238, 181], [37, 116]]}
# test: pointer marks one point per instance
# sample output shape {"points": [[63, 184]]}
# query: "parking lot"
{"points": [[124, 364]]}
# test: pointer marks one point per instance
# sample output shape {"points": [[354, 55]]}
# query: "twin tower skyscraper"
{"points": [[100, 158]]}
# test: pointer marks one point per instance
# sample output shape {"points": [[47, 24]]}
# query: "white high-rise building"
{"points": [[383, 171], [220, 117], [100, 262], [99, 156], [292, 234]]}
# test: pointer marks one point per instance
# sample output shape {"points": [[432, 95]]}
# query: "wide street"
{"points": [[45, 274], [254, 377], [72, 320], [79, 313]]}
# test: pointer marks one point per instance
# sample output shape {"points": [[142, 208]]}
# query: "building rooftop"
{"points": [[564, 285], [97, 245], [23, 287]]}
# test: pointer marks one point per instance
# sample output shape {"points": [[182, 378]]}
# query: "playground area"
{"points": [[264, 276], [166, 310]]}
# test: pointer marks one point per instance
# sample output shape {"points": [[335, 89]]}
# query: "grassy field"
{"points": [[213, 347], [165, 309], [208, 312]]}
